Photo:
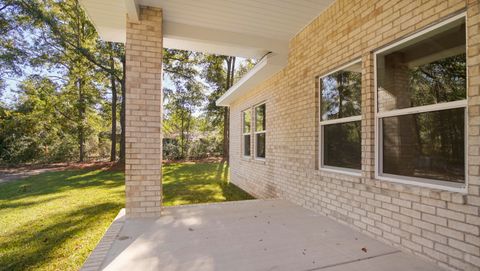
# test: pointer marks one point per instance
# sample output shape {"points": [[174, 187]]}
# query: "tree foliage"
{"points": [[69, 102]]}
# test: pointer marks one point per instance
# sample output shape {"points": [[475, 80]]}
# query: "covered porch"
{"points": [[244, 235]]}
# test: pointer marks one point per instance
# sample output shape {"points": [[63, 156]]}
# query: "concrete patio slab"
{"points": [[246, 235]]}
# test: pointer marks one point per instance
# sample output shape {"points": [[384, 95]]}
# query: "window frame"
{"points": [[322, 166], [408, 180], [255, 132], [244, 134]]}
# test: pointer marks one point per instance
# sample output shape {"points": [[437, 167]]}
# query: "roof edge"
{"points": [[267, 67]]}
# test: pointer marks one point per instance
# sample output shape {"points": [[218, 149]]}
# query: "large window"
{"points": [[421, 107], [340, 118], [260, 131], [246, 138]]}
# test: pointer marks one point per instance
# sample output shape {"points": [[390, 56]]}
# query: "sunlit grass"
{"points": [[53, 221], [189, 183]]}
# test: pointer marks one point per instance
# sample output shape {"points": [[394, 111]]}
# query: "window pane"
{"points": [[342, 145], [246, 145], [341, 93], [426, 145], [260, 118], [428, 70], [260, 141], [246, 121]]}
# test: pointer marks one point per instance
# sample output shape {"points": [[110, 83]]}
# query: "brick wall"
{"points": [[143, 161], [439, 225]]}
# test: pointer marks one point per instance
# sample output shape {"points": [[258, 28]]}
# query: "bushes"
{"points": [[196, 149]]}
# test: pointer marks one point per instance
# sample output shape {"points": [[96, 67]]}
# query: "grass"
{"points": [[52, 221], [189, 183]]}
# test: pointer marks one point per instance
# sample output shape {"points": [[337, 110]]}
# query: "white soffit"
{"points": [[254, 27], [244, 28], [268, 66]]}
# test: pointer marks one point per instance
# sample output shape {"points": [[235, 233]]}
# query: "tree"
{"points": [[221, 72]]}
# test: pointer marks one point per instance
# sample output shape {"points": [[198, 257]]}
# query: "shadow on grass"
{"points": [[30, 249], [199, 183], [53, 182], [9, 205]]}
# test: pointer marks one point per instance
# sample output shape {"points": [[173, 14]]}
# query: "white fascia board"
{"points": [[108, 17], [133, 10], [215, 41], [212, 48], [270, 65]]}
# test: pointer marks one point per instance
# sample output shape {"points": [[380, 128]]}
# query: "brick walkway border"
{"points": [[95, 260]]}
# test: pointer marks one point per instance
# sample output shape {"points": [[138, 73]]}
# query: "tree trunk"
{"points": [[182, 137], [81, 126], [226, 113], [113, 149], [226, 129], [122, 113]]}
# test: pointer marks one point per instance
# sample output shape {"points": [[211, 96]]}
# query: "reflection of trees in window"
{"points": [[438, 82], [260, 118], [342, 143], [434, 147], [341, 95]]}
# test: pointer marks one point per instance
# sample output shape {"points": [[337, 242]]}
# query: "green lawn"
{"points": [[187, 183], [52, 221]]}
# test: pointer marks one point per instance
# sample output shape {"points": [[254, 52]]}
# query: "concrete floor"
{"points": [[247, 235]]}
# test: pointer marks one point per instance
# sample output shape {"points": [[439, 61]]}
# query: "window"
{"points": [[246, 138], [260, 136], [340, 118], [421, 107]]}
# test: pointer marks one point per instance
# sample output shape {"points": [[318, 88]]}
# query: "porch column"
{"points": [[143, 115]]}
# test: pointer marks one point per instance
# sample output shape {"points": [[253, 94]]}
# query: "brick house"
{"points": [[366, 111]]}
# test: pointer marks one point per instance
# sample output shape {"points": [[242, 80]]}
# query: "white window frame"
{"points": [[323, 167], [255, 132], [417, 181], [244, 134]]}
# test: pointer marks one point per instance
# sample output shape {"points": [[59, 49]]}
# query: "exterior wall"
{"points": [[143, 161], [439, 225]]}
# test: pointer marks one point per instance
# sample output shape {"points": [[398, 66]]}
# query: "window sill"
{"points": [[424, 183], [259, 160], [352, 172]]}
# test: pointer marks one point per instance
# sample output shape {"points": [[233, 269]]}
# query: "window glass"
{"points": [[429, 70], [426, 145], [340, 121], [260, 147], [260, 118], [342, 145], [247, 128], [341, 93], [246, 145], [424, 142], [246, 121]]}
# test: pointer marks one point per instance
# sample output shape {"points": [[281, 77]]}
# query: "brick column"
{"points": [[143, 161]]}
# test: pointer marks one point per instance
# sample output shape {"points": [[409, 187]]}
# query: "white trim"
{"points": [[322, 123], [428, 183], [132, 9], [342, 120], [422, 32], [422, 182], [244, 134], [423, 109], [342, 170], [267, 67], [351, 63]]}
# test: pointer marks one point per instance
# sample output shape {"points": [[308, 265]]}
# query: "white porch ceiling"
{"points": [[243, 28]]}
